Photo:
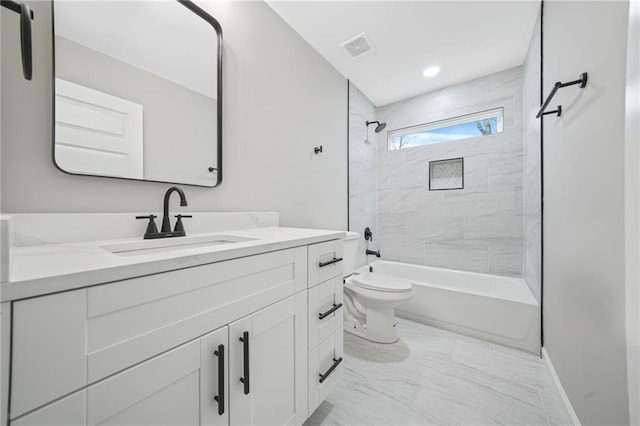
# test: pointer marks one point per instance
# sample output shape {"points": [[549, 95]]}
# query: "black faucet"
{"points": [[165, 232], [373, 253], [166, 223]]}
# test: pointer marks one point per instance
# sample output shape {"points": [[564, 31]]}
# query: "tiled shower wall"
{"points": [[363, 210], [531, 179], [478, 228]]}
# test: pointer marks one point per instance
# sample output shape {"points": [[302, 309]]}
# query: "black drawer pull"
{"points": [[220, 397], [329, 262], [330, 311], [245, 361], [324, 376]]}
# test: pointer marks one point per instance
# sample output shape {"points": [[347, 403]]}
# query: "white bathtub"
{"points": [[489, 307]]}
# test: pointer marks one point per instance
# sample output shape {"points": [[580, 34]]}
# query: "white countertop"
{"points": [[50, 268]]}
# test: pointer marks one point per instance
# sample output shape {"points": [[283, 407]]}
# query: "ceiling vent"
{"points": [[358, 45]]}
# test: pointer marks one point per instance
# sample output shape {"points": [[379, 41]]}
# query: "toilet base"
{"points": [[370, 313], [383, 329]]}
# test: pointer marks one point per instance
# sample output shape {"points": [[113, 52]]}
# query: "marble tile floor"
{"points": [[435, 377]]}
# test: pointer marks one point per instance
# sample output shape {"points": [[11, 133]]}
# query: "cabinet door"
{"points": [[214, 378], [69, 411], [180, 387], [268, 365], [162, 391]]}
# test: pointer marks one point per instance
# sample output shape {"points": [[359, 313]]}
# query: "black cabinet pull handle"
{"points": [[329, 262], [245, 355], [330, 311], [220, 397], [324, 376]]}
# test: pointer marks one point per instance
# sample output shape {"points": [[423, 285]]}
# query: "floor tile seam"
{"points": [[499, 392]]}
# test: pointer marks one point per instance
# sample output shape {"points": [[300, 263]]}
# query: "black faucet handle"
{"points": [[152, 228], [179, 225], [150, 217]]}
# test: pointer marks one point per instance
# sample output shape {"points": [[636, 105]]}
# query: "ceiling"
{"points": [[466, 39]]}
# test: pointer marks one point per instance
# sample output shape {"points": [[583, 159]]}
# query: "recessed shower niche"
{"points": [[446, 174]]}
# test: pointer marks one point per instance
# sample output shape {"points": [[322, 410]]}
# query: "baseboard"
{"points": [[563, 394]]}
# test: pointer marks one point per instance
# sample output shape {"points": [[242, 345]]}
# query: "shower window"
{"points": [[483, 123]]}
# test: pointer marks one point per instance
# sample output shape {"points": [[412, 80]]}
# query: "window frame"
{"points": [[497, 113]]}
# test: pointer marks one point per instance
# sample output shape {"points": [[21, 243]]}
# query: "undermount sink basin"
{"points": [[135, 248]]}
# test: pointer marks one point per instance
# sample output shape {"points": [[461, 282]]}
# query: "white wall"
{"points": [[632, 157], [281, 98], [532, 169], [363, 196], [584, 202], [478, 228]]}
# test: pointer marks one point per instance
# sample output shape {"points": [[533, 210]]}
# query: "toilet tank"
{"points": [[349, 252]]}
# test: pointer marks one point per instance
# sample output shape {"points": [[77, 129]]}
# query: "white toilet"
{"points": [[370, 297]]}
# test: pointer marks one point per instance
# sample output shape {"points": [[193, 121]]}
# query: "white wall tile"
{"points": [[476, 228], [363, 184], [531, 184], [479, 228], [462, 256]]}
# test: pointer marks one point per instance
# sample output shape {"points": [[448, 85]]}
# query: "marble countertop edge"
{"points": [[53, 268]]}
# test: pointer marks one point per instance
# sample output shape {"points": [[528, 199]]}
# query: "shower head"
{"points": [[380, 126]]}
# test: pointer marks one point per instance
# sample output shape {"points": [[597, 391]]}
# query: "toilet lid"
{"points": [[381, 282]]}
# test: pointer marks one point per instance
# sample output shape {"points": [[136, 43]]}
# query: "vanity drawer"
{"points": [[325, 310], [325, 369], [325, 261], [65, 341]]}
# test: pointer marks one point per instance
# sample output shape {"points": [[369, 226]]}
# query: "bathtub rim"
{"points": [[529, 299]]}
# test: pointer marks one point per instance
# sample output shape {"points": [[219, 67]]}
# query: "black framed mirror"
{"points": [[138, 91]]}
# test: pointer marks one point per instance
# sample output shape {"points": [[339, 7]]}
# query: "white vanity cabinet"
{"points": [[224, 343], [179, 387]]}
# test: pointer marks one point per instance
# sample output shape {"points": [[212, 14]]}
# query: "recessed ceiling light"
{"points": [[431, 71]]}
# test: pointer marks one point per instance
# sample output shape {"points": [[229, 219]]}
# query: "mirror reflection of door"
{"points": [[136, 91], [97, 133]]}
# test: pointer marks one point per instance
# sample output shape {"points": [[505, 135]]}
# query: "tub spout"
{"points": [[373, 253]]}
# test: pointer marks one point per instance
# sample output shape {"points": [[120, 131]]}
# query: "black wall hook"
{"points": [[317, 149], [26, 15]]}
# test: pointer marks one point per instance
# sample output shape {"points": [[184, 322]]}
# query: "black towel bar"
{"points": [[582, 81]]}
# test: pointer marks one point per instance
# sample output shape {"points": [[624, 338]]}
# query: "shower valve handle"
{"points": [[368, 235]]}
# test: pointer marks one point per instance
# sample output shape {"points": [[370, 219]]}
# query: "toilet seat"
{"points": [[381, 282]]}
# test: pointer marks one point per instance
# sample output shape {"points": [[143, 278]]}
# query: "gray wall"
{"points": [[531, 177], [584, 241], [478, 228], [178, 123], [281, 98]]}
